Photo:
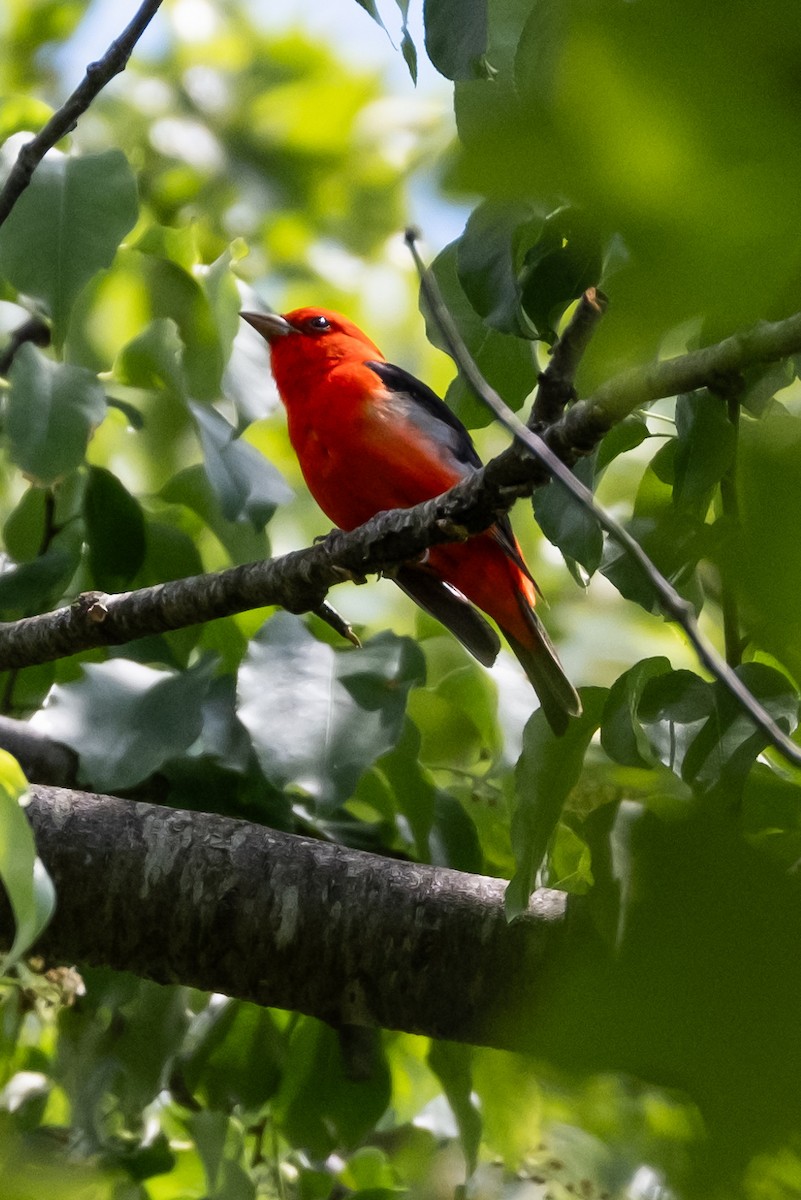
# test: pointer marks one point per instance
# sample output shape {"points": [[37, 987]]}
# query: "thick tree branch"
{"points": [[354, 938], [286, 921], [65, 118]]}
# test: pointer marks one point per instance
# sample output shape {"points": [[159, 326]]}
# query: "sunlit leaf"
{"points": [[245, 483], [66, 226], [52, 410], [28, 886]]}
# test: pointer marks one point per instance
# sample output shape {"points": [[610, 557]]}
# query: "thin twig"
{"points": [[556, 388], [674, 605], [65, 118]]}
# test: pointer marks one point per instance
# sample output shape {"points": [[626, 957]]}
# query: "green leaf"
{"points": [[507, 363], [565, 260], [725, 748], [25, 527], [246, 485], [115, 530], [566, 523], [322, 1104], [452, 1063], [232, 1055], [547, 770], [125, 720], [486, 261], [66, 227], [456, 36], [318, 717], [705, 448], [624, 436], [177, 295], [622, 735], [28, 886], [153, 359], [37, 585], [673, 708], [192, 488], [52, 410]]}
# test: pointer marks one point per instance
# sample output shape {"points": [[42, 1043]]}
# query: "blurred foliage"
{"points": [[646, 146]]}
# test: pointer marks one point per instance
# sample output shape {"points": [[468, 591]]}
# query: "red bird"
{"points": [[371, 437]]}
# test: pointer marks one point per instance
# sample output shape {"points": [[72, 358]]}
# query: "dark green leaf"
{"points": [[124, 719], [246, 485], [564, 261], [52, 411], [705, 449], [546, 772], [232, 1055], [318, 717], [451, 1063], [486, 262], [566, 523], [456, 35], [622, 735], [725, 748], [624, 436], [66, 227], [673, 707], [35, 586], [507, 363], [321, 1105], [115, 530]]}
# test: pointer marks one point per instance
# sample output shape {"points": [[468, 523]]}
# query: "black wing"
{"points": [[427, 410], [435, 418]]}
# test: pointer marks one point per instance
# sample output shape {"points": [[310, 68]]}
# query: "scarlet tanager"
{"points": [[370, 437]]}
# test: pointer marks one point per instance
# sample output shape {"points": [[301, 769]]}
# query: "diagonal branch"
{"points": [[65, 118], [679, 376]]}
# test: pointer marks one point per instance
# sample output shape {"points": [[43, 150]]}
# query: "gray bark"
{"points": [[286, 921]]}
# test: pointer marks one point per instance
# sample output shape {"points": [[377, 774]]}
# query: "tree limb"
{"points": [[65, 118], [286, 921]]}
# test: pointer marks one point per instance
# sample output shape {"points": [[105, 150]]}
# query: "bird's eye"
{"points": [[319, 324]]}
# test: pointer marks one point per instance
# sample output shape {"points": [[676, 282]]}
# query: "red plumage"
{"points": [[370, 437]]}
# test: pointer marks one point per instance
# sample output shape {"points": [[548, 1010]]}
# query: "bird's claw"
{"points": [[348, 576]]}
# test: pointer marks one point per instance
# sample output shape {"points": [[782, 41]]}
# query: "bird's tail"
{"points": [[558, 697]]}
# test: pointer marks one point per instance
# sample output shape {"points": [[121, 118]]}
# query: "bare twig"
{"points": [[65, 118], [556, 388], [672, 603]]}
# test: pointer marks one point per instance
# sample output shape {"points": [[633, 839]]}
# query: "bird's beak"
{"points": [[269, 325]]}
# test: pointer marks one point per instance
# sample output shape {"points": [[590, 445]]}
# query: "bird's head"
{"points": [[309, 340]]}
